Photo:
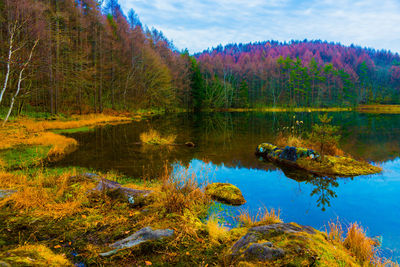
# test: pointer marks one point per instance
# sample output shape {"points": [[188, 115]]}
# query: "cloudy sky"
{"points": [[200, 24]]}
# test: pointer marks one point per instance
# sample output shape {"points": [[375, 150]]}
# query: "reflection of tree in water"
{"points": [[218, 128], [324, 189], [323, 186]]}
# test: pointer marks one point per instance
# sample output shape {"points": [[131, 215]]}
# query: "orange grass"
{"points": [[46, 195], [33, 132], [181, 191], [356, 241], [263, 217], [153, 137]]}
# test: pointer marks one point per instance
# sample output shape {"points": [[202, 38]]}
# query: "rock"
{"points": [[226, 193], [254, 247], [263, 252], [289, 153], [190, 144], [6, 192], [143, 235], [116, 191]]}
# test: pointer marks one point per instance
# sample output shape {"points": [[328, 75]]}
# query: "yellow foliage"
{"points": [[35, 255], [153, 137], [216, 232], [359, 243], [263, 217]]}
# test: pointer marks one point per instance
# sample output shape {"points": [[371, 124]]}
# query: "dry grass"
{"points": [[35, 255], [263, 217], [153, 137], [45, 195], [283, 140], [180, 191], [217, 233], [359, 243], [387, 109], [356, 241], [33, 132]]}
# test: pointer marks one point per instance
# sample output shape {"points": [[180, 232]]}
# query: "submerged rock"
{"points": [[226, 193], [143, 235]]}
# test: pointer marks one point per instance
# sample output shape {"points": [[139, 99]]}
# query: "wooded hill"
{"points": [[85, 56]]}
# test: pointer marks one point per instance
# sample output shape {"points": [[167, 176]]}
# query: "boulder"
{"points": [[143, 235], [256, 245], [225, 193], [116, 191]]}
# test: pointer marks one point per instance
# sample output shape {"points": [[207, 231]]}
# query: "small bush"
{"points": [[216, 231], [153, 137], [263, 217]]}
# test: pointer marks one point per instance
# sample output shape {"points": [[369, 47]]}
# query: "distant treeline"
{"points": [[87, 55], [306, 73]]}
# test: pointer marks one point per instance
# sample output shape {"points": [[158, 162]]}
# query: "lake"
{"points": [[224, 151]]}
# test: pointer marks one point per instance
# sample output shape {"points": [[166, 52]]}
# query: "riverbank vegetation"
{"points": [[56, 215]]}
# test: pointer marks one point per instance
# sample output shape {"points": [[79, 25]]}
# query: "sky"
{"points": [[201, 24]]}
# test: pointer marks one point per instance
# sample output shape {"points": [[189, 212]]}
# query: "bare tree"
{"points": [[20, 79]]}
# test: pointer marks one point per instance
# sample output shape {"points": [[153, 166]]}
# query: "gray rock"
{"points": [[143, 235], [6, 192], [248, 247], [117, 191], [263, 252]]}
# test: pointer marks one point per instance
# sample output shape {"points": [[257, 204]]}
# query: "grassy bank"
{"points": [[389, 109], [55, 218], [28, 141]]}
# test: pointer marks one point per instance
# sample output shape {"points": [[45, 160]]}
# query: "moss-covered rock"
{"points": [[310, 161], [287, 244], [226, 193]]}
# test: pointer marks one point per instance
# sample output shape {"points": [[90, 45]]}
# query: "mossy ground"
{"points": [[53, 211], [338, 166]]}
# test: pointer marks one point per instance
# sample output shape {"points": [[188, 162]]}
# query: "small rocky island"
{"points": [[311, 161]]}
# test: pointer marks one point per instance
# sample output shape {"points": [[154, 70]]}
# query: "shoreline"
{"points": [[72, 226]]}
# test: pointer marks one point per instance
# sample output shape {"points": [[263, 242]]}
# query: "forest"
{"points": [[84, 56]]}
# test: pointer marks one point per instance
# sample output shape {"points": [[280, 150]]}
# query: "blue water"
{"points": [[224, 152], [372, 201]]}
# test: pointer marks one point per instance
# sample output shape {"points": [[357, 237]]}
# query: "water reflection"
{"points": [[226, 144]]}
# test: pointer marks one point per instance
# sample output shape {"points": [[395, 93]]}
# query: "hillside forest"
{"points": [[81, 56]]}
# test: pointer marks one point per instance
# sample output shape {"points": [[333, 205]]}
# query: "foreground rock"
{"points": [[311, 161], [143, 235], [116, 191], [269, 243], [225, 193]]}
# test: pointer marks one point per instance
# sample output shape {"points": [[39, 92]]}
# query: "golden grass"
{"points": [[356, 241], [153, 137], [283, 109], [45, 195], [282, 140], [33, 132], [217, 233], [263, 217], [181, 191], [35, 255], [359, 243], [387, 109]]}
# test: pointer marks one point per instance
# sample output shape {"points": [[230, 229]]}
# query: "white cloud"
{"points": [[197, 25]]}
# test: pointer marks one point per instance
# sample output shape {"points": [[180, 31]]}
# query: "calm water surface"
{"points": [[225, 145]]}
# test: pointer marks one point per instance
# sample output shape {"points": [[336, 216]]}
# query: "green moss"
{"points": [[338, 166], [23, 156], [226, 193], [73, 130]]}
